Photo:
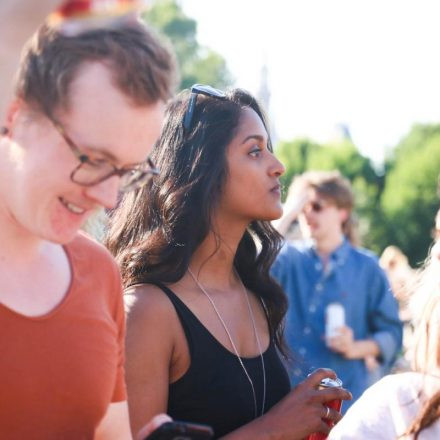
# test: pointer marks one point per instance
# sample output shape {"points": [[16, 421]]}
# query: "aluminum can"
{"points": [[336, 404], [334, 319]]}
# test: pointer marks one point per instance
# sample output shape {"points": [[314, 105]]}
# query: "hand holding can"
{"points": [[335, 404]]}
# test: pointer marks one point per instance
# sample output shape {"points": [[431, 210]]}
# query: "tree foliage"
{"points": [[197, 64], [410, 201], [397, 207]]}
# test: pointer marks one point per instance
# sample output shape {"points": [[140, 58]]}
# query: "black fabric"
{"points": [[215, 389]]}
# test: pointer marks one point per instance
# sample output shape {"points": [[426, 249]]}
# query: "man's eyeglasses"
{"points": [[90, 171], [199, 89]]}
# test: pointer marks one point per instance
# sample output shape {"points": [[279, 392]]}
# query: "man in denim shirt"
{"points": [[327, 269]]}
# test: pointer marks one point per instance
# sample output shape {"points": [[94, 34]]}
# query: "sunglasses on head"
{"points": [[199, 89]]}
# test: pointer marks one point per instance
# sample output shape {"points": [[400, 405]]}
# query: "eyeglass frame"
{"points": [[199, 89], [84, 158]]}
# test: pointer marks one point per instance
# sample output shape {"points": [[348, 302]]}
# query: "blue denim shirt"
{"points": [[353, 278]]}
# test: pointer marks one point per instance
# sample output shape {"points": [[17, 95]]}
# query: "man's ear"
{"points": [[343, 215], [11, 115]]}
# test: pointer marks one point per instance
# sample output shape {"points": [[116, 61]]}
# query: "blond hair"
{"points": [[426, 349]]}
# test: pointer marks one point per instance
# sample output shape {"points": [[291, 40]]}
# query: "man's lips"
{"points": [[74, 208]]}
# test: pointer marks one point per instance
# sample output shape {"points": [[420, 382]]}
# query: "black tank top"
{"points": [[215, 390]]}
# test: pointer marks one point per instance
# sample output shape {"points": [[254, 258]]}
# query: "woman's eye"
{"points": [[255, 152]]}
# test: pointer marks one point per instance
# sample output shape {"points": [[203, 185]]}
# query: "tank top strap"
{"points": [[193, 328]]}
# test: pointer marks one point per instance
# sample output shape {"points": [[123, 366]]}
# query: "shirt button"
{"points": [[318, 266], [297, 372], [319, 287], [302, 351], [307, 330], [312, 309]]}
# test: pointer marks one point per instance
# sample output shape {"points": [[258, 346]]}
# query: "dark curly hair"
{"points": [[155, 230]]}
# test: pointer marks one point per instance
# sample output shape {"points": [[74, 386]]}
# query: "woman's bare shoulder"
{"points": [[147, 300]]}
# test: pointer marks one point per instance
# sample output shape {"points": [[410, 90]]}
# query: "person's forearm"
{"points": [[18, 20], [262, 428], [18, 12], [282, 224], [291, 209], [363, 348], [255, 430]]}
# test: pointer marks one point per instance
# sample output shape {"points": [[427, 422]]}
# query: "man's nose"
{"points": [[105, 193]]}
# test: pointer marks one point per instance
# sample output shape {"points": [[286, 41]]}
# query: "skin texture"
{"points": [[35, 218], [247, 195], [122, 133], [251, 192]]}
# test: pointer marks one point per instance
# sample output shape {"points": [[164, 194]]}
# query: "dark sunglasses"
{"points": [[199, 89], [315, 206]]}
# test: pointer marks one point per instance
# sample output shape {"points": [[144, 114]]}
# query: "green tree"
{"points": [[197, 64], [295, 157], [410, 198]]}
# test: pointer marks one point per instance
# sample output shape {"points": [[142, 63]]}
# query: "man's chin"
{"points": [[310, 234]]}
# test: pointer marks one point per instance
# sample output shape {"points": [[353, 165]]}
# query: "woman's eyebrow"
{"points": [[257, 137]]}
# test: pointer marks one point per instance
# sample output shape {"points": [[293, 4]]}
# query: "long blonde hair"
{"points": [[425, 304]]}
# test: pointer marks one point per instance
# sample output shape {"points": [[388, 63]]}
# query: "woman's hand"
{"points": [[303, 410], [301, 413]]}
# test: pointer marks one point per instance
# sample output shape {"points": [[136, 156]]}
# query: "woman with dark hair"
{"points": [[204, 317]]}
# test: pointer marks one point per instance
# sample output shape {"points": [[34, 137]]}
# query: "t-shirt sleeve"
{"points": [[120, 391], [384, 319], [369, 418]]}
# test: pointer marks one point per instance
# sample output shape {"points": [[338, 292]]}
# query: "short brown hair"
{"points": [[142, 66]]}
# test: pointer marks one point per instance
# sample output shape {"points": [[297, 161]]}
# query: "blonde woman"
{"points": [[406, 405]]}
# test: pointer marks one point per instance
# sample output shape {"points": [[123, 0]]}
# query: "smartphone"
{"points": [[181, 431]]}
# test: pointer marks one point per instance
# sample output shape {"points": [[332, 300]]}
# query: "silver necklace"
{"points": [[251, 314]]}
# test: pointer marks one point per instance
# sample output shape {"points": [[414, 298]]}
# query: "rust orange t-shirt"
{"points": [[59, 372]]}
